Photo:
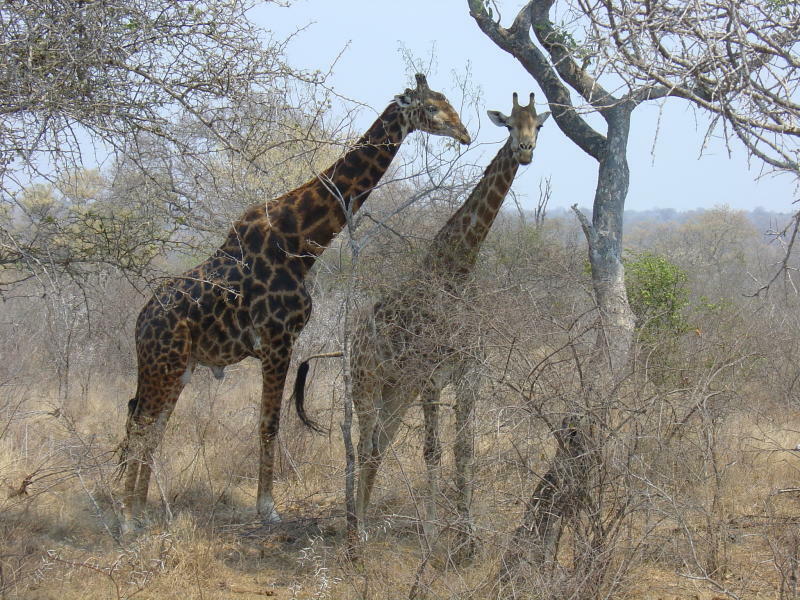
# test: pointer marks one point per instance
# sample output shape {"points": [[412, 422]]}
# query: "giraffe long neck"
{"points": [[455, 247], [321, 203], [291, 231]]}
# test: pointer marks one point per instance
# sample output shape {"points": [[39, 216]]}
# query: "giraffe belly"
{"points": [[260, 327], [216, 370], [225, 340], [218, 354], [407, 350]]}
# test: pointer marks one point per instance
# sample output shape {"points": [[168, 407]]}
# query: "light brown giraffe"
{"points": [[249, 299], [404, 346]]}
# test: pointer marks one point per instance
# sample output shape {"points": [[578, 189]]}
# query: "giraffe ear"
{"points": [[404, 100], [498, 118], [542, 118]]}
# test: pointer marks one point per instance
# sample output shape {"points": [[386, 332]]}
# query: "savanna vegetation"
{"points": [[636, 426]]}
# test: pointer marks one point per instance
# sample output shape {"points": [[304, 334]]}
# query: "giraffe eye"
{"points": [[431, 109]]}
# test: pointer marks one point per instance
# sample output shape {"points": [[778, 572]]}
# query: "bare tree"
{"points": [[734, 60], [85, 80]]}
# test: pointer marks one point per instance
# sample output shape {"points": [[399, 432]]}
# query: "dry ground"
{"points": [[59, 528]]}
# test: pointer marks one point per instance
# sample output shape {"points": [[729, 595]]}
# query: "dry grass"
{"points": [[59, 529]]}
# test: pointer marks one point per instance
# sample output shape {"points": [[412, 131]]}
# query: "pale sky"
{"points": [[667, 172]]}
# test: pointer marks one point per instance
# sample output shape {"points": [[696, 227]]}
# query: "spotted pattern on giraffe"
{"points": [[249, 298], [411, 343]]}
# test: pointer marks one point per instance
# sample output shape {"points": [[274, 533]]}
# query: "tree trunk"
{"points": [[569, 488], [604, 236]]}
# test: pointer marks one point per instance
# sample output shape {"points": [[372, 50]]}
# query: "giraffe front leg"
{"points": [[432, 453], [464, 457], [273, 379]]}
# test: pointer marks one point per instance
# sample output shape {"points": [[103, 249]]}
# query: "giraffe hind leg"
{"points": [[163, 364], [433, 462], [145, 433], [151, 441], [123, 447], [367, 420], [130, 468], [130, 461], [387, 419]]}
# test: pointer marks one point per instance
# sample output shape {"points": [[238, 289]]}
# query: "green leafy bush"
{"points": [[658, 294]]}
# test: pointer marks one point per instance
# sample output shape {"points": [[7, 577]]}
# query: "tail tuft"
{"points": [[299, 397]]}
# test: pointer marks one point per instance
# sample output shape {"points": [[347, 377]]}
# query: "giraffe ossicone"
{"points": [[249, 298]]}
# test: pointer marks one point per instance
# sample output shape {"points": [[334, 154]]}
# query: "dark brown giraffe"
{"points": [[249, 298], [406, 346]]}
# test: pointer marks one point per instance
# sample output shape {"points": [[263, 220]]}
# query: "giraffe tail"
{"points": [[300, 390]]}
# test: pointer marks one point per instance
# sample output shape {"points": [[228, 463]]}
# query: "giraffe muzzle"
{"points": [[524, 156]]}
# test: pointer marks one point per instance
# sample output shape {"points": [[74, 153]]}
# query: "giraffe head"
{"points": [[523, 125], [430, 111]]}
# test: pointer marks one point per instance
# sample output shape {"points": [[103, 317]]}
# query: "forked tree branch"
{"points": [[517, 42]]}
